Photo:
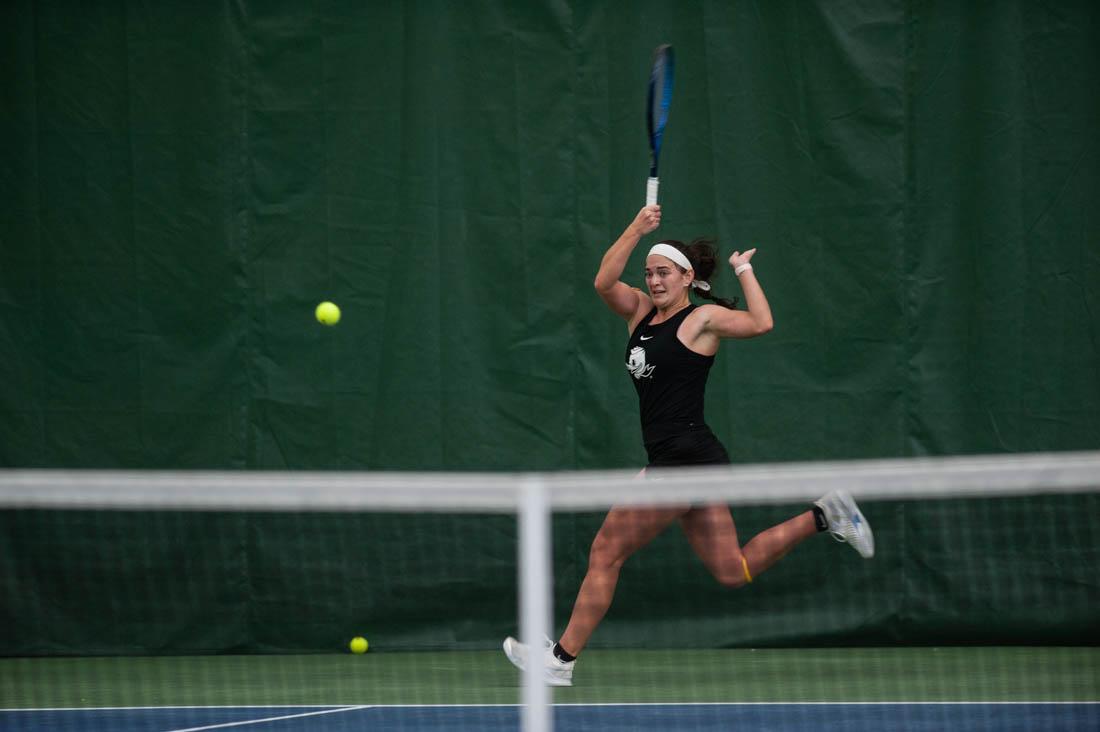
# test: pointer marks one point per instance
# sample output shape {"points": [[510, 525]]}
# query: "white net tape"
{"points": [[759, 484]]}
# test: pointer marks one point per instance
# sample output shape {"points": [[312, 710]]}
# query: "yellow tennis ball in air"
{"points": [[327, 313], [358, 644]]}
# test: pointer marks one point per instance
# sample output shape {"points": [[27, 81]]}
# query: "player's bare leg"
{"points": [[624, 531], [713, 536]]}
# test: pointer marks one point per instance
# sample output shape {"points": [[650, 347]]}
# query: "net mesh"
{"points": [[138, 600]]}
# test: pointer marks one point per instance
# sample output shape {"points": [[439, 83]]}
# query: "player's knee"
{"points": [[730, 579], [733, 574]]}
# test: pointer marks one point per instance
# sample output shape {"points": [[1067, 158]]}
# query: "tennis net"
{"points": [[199, 600]]}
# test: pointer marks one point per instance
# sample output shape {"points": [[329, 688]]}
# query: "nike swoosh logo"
{"points": [[645, 338]]}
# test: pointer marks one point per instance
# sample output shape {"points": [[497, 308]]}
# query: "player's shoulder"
{"points": [[704, 311], [708, 317]]}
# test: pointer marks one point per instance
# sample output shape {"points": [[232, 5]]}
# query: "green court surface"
{"points": [[603, 676]]}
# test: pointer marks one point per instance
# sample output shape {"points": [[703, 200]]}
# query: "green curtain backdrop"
{"points": [[181, 183], [1006, 572]]}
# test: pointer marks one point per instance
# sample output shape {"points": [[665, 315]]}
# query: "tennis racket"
{"points": [[656, 112]]}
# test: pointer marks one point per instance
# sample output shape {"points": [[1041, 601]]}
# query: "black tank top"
{"points": [[669, 377]]}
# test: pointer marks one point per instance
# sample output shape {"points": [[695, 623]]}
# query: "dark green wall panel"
{"points": [[179, 187], [183, 185]]}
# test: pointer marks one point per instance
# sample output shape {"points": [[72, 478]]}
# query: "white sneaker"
{"points": [[555, 671], [846, 523]]}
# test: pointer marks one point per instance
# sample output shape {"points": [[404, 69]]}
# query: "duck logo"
{"points": [[636, 365]]}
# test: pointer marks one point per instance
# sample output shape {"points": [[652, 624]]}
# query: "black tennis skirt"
{"points": [[692, 443]]}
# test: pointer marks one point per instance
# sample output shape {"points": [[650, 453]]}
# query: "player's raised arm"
{"points": [[754, 321], [620, 297]]}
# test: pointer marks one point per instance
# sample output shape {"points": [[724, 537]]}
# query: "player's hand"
{"points": [[647, 220], [741, 257]]}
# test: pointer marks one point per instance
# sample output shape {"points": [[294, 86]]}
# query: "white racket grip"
{"points": [[651, 191]]}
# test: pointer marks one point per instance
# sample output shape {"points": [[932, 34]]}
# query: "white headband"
{"points": [[671, 252]]}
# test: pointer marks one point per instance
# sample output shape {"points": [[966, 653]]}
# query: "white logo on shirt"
{"points": [[636, 364]]}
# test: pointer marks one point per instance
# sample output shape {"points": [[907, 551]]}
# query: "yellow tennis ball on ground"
{"points": [[327, 313], [359, 644]]}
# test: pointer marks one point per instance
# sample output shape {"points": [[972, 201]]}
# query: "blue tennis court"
{"points": [[914, 717]]}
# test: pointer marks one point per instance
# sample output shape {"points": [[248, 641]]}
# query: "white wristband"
{"points": [[744, 267]]}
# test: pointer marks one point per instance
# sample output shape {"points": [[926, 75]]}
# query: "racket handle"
{"points": [[651, 191]]}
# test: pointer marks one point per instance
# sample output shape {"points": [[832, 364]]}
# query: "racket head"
{"points": [[658, 100]]}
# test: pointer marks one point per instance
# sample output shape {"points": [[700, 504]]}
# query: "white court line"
{"points": [[173, 706], [269, 719], [817, 703]]}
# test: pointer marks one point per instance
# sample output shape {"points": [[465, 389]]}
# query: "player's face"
{"points": [[667, 283]]}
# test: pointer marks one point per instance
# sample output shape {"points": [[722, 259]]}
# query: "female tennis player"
{"points": [[669, 354]]}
